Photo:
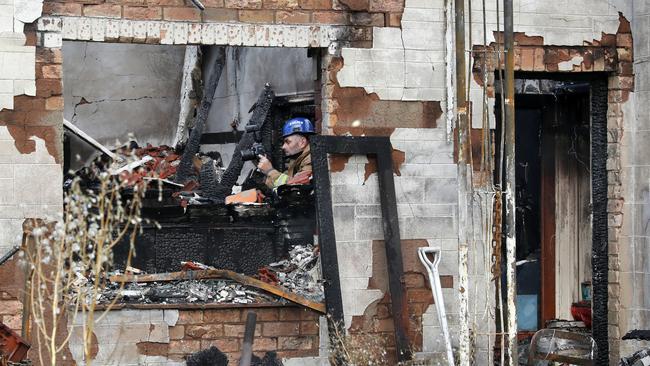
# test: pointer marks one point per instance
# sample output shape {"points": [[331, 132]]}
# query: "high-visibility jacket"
{"points": [[302, 163]]}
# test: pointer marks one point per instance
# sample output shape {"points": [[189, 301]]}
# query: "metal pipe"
{"points": [[9, 254], [249, 335], [464, 186], [510, 186]]}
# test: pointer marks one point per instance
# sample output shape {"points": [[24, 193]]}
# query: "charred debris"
{"points": [[255, 246]]}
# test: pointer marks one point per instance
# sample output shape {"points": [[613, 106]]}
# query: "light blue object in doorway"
{"points": [[527, 312]]}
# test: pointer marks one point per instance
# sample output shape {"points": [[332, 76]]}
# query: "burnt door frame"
{"points": [[380, 147]]}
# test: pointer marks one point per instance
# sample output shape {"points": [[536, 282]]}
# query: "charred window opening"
{"points": [[246, 244]]}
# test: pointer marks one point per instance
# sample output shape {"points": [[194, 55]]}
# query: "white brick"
{"points": [[180, 33], [98, 29], [290, 36], [276, 35], [26, 87], [395, 74], [6, 101], [425, 4], [166, 33], [49, 24], [27, 11], [6, 86], [52, 40], [17, 65], [235, 37], [419, 75], [387, 38], [314, 36], [194, 35], [208, 33], [262, 35], [249, 36], [84, 29], [346, 76], [302, 36], [139, 31], [355, 258], [153, 30], [70, 28], [423, 15], [36, 182], [324, 36]]}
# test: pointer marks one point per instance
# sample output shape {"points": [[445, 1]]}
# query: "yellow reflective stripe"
{"points": [[280, 180]]}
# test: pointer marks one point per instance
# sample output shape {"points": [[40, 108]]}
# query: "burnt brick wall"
{"points": [[378, 13]]}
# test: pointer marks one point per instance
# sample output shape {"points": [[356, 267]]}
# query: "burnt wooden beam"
{"points": [[381, 147], [185, 168], [222, 273]]}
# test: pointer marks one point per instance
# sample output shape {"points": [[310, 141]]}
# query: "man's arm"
{"points": [[274, 178]]}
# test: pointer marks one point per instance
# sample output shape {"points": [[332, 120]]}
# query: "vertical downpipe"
{"points": [[511, 242], [464, 185]]}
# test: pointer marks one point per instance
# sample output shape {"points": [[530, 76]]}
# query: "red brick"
{"points": [[103, 10], [166, 2], [289, 343], [208, 331], [309, 315], [330, 17], [223, 344], [142, 13], [54, 103], [290, 314], [280, 4], [185, 14], [11, 307], [624, 40], [49, 55], [353, 5], [292, 17], [272, 329], [256, 16], [237, 330], [387, 5], [315, 4], [265, 344], [220, 15], [527, 58], [394, 20], [266, 315], [309, 328], [244, 4], [190, 317], [412, 280], [222, 316], [212, 3], [384, 325], [25, 103], [69, 9], [446, 281], [177, 332], [368, 19], [624, 54], [184, 346], [15, 322]]}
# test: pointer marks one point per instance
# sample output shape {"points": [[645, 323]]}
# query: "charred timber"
{"points": [[260, 112], [186, 168]]}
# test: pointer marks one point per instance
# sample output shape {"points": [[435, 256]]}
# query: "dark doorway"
{"points": [[553, 211]]}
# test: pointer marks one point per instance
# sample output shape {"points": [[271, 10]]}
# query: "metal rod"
{"points": [[511, 241], [249, 335], [462, 131], [9, 254]]}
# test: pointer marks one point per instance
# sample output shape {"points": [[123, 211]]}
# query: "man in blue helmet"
{"points": [[296, 148]]}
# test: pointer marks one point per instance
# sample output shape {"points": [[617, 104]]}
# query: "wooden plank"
{"points": [[222, 273], [548, 226]]}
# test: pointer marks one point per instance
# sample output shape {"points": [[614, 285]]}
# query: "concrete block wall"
{"points": [[634, 245]]}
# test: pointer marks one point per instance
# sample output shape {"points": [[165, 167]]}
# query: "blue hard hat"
{"points": [[298, 125]]}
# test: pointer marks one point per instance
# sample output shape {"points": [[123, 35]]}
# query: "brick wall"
{"points": [[168, 337], [378, 13]]}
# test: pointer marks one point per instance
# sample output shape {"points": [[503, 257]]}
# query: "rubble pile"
{"points": [[300, 273], [183, 292]]}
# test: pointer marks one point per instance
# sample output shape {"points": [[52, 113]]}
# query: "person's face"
{"points": [[294, 144]]}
